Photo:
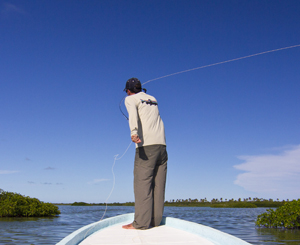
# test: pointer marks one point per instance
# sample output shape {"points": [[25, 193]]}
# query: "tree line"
{"points": [[215, 202]]}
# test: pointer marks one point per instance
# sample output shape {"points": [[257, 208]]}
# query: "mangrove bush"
{"points": [[16, 205], [287, 216]]}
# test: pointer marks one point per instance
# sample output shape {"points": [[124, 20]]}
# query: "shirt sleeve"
{"points": [[133, 115]]}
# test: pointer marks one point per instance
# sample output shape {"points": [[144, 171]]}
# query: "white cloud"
{"points": [[272, 174], [95, 181], [8, 172]]}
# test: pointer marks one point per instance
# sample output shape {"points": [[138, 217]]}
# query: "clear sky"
{"points": [[232, 129]]}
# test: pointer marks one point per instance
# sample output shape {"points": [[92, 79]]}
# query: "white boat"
{"points": [[172, 231]]}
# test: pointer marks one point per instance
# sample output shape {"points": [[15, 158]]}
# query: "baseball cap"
{"points": [[134, 85]]}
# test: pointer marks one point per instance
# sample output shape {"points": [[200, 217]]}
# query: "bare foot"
{"points": [[129, 226]]}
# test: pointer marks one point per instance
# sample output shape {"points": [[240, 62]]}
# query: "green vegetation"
{"points": [[80, 204], [231, 203], [287, 216], [16, 205], [214, 203]]}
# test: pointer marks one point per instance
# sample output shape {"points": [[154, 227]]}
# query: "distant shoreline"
{"points": [[214, 203]]}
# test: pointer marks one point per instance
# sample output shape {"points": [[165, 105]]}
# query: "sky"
{"points": [[232, 129]]}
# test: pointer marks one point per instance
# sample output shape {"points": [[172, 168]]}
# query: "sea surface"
{"points": [[239, 222]]}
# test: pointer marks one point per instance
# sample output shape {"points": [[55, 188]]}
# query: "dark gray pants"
{"points": [[150, 169]]}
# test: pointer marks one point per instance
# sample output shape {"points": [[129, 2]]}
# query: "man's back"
{"points": [[145, 120]]}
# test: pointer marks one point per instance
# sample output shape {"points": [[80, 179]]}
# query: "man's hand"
{"points": [[135, 138]]}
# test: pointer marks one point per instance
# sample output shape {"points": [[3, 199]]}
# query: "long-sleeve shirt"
{"points": [[145, 120]]}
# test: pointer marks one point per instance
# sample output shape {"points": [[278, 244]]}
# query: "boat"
{"points": [[172, 231]]}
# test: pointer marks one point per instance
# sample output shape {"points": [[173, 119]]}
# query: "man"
{"points": [[150, 164]]}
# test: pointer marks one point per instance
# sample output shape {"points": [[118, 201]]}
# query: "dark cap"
{"points": [[134, 85]]}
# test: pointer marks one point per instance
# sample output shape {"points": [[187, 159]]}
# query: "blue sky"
{"points": [[232, 129]]}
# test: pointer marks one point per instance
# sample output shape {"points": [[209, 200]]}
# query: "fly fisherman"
{"points": [[150, 164]]}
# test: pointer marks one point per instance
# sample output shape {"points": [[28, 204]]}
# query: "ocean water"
{"points": [[239, 222]]}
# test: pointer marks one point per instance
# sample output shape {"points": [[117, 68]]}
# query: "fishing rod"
{"points": [[121, 108]]}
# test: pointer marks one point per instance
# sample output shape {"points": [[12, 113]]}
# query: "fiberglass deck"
{"points": [[116, 235]]}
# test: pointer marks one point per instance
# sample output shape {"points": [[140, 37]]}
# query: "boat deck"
{"points": [[172, 231], [116, 235]]}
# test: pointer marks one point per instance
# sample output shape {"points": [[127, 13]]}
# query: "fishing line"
{"points": [[222, 62], [114, 178], [113, 186], [214, 64]]}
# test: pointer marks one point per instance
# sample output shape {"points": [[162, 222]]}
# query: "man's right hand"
{"points": [[135, 138]]}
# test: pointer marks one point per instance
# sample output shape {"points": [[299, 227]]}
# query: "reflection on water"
{"points": [[279, 236], [238, 222]]}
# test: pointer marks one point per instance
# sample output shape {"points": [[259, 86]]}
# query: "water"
{"points": [[237, 222]]}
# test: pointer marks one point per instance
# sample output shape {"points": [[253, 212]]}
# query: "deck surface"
{"points": [[116, 235]]}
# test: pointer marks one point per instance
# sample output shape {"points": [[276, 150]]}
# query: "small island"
{"points": [[17, 205]]}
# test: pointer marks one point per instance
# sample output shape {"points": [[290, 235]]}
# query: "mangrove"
{"points": [[287, 216], [17, 205]]}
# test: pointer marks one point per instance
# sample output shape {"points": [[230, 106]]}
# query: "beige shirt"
{"points": [[145, 120]]}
